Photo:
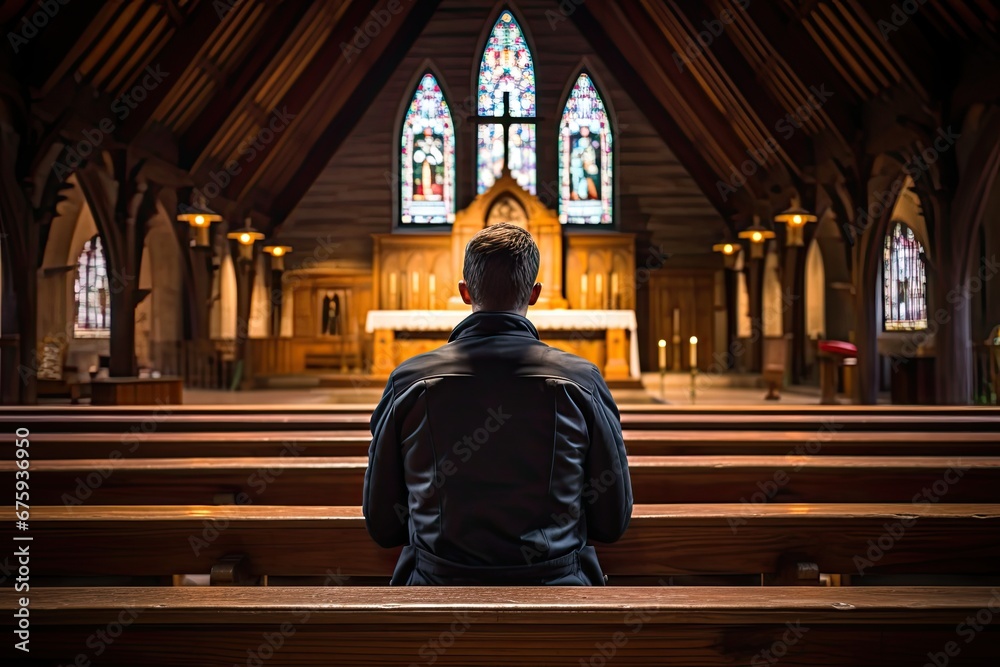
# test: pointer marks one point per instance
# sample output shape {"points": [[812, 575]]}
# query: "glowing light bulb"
{"points": [[796, 219], [757, 237], [728, 249], [278, 252], [245, 238], [199, 220]]}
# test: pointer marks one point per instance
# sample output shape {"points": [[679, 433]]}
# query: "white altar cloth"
{"points": [[562, 320]]}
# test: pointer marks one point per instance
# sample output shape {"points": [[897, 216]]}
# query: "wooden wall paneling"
{"points": [[692, 292]]}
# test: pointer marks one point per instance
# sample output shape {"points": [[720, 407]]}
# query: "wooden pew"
{"points": [[216, 627], [221, 419], [299, 480], [705, 539], [267, 443], [625, 408]]}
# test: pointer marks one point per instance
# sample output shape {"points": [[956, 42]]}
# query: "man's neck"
{"points": [[479, 309]]}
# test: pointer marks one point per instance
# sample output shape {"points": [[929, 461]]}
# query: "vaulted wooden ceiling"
{"points": [[230, 66]]}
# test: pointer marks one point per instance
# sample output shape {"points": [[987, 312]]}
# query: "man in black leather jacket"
{"points": [[495, 458]]}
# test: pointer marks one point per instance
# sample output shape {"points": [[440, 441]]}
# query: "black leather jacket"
{"points": [[494, 459]]}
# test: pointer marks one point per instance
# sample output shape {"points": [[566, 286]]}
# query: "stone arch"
{"points": [[815, 292], [773, 305], [223, 316], [884, 185], [159, 318]]}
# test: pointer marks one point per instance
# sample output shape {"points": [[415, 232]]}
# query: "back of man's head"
{"points": [[501, 264]]}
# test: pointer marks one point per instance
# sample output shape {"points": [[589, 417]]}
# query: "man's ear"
{"points": [[535, 291], [463, 289]]}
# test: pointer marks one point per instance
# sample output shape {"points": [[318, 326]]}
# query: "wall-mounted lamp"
{"points": [[277, 253], [796, 218], [758, 235], [200, 217], [730, 253], [245, 239]]}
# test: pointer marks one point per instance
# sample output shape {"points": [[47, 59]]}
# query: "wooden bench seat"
{"points": [[625, 408], [267, 443], [661, 540], [302, 480], [165, 419], [215, 627]]}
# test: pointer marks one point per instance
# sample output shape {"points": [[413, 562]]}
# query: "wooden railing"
{"points": [[204, 364]]}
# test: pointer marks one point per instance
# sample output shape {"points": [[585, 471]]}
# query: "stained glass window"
{"points": [[506, 91], [427, 157], [93, 305], [904, 284], [585, 164]]}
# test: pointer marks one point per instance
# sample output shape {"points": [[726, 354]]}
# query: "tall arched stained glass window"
{"points": [[93, 303], [506, 93], [585, 164], [904, 284], [427, 157]]}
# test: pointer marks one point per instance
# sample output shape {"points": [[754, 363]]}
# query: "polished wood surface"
{"points": [[267, 443], [672, 604], [820, 422], [308, 480], [212, 627], [137, 391], [7, 411], [661, 540]]}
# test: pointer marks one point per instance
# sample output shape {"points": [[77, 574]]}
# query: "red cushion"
{"points": [[838, 347]]}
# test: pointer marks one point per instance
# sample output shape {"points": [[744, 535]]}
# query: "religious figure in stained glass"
{"points": [[93, 303], [506, 92], [904, 283], [585, 157], [427, 157]]}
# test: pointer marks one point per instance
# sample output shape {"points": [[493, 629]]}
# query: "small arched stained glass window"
{"points": [[427, 157], [904, 283], [585, 157], [93, 298], [506, 92]]}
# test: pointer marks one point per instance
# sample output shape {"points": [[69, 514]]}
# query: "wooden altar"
{"points": [[605, 337], [415, 278]]}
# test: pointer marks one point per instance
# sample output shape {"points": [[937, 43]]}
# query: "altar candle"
{"points": [[416, 281], [614, 289], [431, 285], [392, 290], [599, 289], [694, 351], [663, 355], [583, 291]]}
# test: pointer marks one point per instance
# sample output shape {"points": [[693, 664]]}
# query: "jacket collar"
{"points": [[486, 323]]}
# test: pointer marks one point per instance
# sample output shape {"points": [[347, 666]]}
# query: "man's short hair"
{"points": [[501, 264]]}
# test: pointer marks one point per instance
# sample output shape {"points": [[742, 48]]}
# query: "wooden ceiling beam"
{"points": [[613, 52], [180, 52], [676, 89], [792, 44], [767, 110], [307, 86], [281, 24], [356, 85]]}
